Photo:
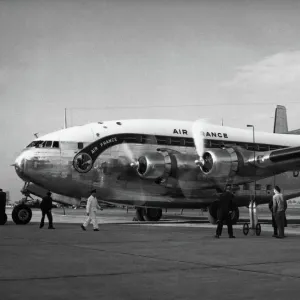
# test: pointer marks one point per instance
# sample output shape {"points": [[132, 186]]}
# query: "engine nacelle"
{"points": [[220, 163], [154, 165]]}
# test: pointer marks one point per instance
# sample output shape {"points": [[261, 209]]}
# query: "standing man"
{"points": [[46, 206], [224, 212], [279, 208], [274, 225], [3, 216], [91, 211]]}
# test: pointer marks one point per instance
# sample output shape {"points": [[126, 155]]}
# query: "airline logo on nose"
{"points": [[84, 160]]}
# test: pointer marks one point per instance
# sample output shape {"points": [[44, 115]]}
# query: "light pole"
{"points": [[253, 201]]}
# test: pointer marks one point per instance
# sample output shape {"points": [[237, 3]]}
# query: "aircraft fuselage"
{"points": [[100, 155]]}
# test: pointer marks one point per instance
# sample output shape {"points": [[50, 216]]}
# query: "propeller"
{"points": [[198, 137], [129, 155]]}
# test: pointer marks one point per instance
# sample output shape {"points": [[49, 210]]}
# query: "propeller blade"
{"points": [[129, 155], [198, 137]]}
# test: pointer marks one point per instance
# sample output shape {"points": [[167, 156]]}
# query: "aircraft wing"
{"points": [[287, 159]]}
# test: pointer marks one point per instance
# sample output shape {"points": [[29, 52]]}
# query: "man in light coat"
{"points": [[279, 208], [91, 211]]}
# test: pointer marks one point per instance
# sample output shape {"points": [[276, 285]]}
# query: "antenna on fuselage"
{"points": [[36, 134], [65, 119]]}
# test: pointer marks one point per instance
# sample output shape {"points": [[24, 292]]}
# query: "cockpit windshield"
{"points": [[43, 144]]}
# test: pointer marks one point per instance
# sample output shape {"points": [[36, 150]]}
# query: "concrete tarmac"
{"points": [[138, 261]]}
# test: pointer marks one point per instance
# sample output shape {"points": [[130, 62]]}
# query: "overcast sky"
{"points": [[94, 54]]}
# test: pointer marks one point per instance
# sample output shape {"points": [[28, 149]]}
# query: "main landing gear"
{"points": [[254, 224], [147, 214]]}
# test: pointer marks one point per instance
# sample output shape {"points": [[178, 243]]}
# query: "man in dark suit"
{"points": [[3, 216], [224, 212], [46, 206]]}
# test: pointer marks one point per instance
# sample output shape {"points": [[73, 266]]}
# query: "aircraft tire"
{"points": [[245, 228], [152, 214], [139, 214], [21, 214], [258, 229], [3, 219]]}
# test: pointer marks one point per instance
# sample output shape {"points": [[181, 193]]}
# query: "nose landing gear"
{"points": [[22, 213]]}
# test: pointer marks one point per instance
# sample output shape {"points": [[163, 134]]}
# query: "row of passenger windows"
{"points": [[247, 187], [189, 142], [215, 144]]}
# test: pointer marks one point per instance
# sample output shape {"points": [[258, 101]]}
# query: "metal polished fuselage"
{"points": [[117, 181]]}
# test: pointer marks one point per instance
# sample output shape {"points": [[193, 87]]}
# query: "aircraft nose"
{"points": [[20, 163]]}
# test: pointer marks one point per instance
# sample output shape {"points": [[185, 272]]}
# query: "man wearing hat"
{"points": [[91, 211], [46, 206]]}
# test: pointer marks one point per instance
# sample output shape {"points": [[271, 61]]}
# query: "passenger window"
{"points": [[236, 188], [246, 187], [215, 144], [207, 143], [252, 147], [263, 148], [258, 187], [269, 187]]}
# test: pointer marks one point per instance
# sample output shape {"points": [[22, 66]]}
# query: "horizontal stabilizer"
{"points": [[296, 131]]}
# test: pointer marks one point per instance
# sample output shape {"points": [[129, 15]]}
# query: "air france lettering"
{"points": [[109, 141], [180, 131], [214, 134]]}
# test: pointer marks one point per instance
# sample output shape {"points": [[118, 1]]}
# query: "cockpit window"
{"points": [[55, 144], [34, 144], [44, 144], [48, 144]]}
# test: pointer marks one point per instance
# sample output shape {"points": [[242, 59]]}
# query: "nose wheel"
{"points": [[21, 214]]}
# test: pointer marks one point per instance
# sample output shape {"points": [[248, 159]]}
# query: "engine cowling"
{"points": [[220, 163], [154, 165]]}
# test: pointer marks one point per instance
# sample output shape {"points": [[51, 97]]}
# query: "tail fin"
{"points": [[280, 121]]}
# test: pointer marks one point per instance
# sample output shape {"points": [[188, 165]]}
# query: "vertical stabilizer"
{"points": [[280, 121]]}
